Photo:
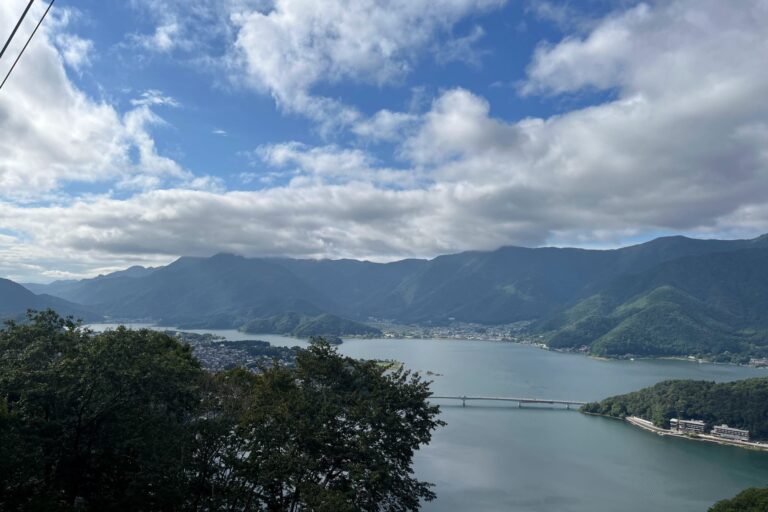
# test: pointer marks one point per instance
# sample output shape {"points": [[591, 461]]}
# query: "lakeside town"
{"points": [[514, 332], [517, 332], [215, 353]]}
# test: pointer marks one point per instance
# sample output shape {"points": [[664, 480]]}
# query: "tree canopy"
{"points": [[749, 500], [740, 404], [126, 419]]}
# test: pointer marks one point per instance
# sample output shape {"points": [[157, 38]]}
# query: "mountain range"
{"points": [[670, 296], [15, 300]]}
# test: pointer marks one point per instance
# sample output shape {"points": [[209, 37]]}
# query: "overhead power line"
{"points": [[13, 33], [27, 44]]}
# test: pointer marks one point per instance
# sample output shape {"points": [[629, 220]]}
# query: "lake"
{"points": [[532, 459]]}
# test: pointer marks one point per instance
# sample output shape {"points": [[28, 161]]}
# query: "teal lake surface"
{"points": [[533, 459]]}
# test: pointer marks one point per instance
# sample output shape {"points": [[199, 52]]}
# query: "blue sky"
{"points": [[210, 103], [143, 130]]}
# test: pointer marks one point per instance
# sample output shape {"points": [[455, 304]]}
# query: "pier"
{"points": [[520, 401]]}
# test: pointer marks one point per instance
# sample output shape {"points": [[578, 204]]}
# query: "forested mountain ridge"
{"points": [[492, 287], [670, 296], [292, 324], [702, 305]]}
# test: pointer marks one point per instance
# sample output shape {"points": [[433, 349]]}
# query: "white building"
{"points": [[687, 426], [727, 432]]}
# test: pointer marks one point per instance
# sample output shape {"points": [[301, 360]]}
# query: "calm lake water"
{"points": [[499, 457]]}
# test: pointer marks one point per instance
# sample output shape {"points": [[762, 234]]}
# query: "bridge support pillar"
{"points": [[463, 401], [567, 406]]}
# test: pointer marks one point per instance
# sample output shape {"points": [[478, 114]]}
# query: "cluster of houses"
{"points": [[698, 427]]}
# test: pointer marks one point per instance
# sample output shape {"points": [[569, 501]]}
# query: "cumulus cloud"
{"points": [[75, 50], [357, 220], [332, 164], [297, 44], [385, 125], [55, 133], [657, 49], [165, 38], [680, 146], [290, 48]]}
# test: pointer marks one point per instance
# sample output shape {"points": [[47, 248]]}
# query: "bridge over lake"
{"points": [[520, 401]]}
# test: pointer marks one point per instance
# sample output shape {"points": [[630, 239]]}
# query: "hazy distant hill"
{"points": [[94, 290], [590, 297], [706, 304], [15, 300]]}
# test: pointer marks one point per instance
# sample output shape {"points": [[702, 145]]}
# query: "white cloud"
{"points": [[152, 98], [332, 164], [385, 125], [299, 44], [461, 49], [55, 133], [459, 125], [680, 148], [289, 48], [165, 38], [75, 50], [657, 49]]}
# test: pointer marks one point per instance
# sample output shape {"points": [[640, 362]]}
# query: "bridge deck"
{"points": [[511, 399]]}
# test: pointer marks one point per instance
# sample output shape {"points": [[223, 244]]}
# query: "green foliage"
{"points": [[712, 305], [126, 420], [305, 326], [334, 434], [740, 404], [749, 500], [97, 419]]}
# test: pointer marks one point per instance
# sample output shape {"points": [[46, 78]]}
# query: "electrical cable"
{"points": [[27, 44], [18, 24]]}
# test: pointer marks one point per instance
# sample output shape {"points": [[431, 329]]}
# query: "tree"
{"points": [[749, 500], [127, 420], [93, 421], [333, 434]]}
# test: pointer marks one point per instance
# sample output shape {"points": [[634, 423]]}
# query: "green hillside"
{"points": [[488, 287], [740, 404], [303, 326], [713, 304], [673, 296]]}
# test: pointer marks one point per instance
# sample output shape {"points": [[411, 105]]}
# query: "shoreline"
{"points": [[536, 344], [650, 427]]}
